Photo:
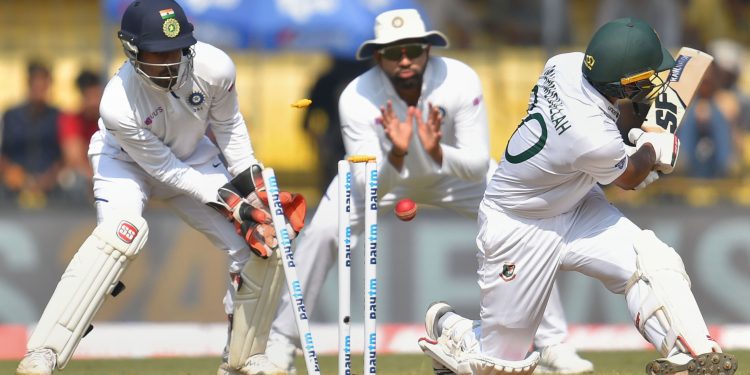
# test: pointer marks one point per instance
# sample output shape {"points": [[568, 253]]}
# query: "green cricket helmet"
{"points": [[624, 59]]}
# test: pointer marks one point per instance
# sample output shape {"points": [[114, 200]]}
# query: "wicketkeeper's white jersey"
{"points": [[449, 85], [567, 143], [165, 133]]}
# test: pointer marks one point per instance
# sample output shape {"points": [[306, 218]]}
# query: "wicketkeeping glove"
{"points": [[666, 146], [238, 201], [244, 201]]}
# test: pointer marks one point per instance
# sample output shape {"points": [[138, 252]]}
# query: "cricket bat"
{"points": [[670, 106]]}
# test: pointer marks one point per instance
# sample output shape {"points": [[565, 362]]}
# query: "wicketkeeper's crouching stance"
{"points": [[152, 143], [96, 269]]}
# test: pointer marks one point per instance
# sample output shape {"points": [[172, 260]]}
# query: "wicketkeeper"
{"points": [[151, 144]]}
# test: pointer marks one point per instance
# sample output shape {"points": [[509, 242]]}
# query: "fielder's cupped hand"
{"points": [[666, 146], [398, 132], [429, 131]]}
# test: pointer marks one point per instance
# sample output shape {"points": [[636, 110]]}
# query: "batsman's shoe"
{"points": [[281, 351], [448, 342], [37, 362], [435, 311], [562, 359], [704, 364], [440, 369]]}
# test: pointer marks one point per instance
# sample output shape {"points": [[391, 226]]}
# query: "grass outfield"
{"points": [[607, 363]]}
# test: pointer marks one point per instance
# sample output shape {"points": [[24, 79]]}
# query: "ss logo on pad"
{"points": [[127, 232]]}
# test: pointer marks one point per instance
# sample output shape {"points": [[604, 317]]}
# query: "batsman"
{"points": [[152, 143], [543, 212]]}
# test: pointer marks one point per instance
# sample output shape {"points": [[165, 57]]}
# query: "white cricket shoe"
{"points": [[281, 351], [37, 362], [445, 344], [224, 369], [433, 315], [707, 363], [562, 359], [255, 365], [435, 311], [260, 364]]}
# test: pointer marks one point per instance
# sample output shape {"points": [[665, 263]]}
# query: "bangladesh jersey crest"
{"points": [[508, 272]]}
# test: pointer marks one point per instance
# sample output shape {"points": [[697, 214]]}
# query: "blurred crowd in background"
{"points": [[43, 146]]}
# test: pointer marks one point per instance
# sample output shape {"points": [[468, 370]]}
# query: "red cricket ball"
{"points": [[405, 209]]}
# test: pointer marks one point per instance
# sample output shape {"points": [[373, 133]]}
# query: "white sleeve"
{"points": [[151, 154], [605, 163], [227, 123], [469, 158], [359, 132]]}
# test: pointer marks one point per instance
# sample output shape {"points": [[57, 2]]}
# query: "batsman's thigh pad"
{"points": [[255, 302], [665, 289], [93, 273]]}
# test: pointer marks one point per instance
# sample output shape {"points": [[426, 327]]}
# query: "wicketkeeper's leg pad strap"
{"points": [[256, 298], [664, 285], [92, 274]]}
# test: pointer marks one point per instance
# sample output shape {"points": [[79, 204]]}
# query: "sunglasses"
{"points": [[395, 53]]}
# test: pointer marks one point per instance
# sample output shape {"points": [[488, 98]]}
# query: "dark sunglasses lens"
{"points": [[413, 51], [392, 53], [395, 53]]}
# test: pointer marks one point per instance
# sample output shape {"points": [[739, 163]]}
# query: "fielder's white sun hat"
{"points": [[399, 24]]}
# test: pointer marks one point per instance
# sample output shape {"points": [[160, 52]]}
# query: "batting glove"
{"points": [[651, 177], [666, 146]]}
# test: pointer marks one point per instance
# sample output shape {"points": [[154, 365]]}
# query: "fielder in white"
{"points": [[152, 143], [424, 119], [543, 213]]}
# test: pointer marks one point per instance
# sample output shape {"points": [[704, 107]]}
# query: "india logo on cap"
{"points": [[171, 26], [166, 13]]}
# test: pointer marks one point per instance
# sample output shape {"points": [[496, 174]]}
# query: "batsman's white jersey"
{"points": [[152, 144], [543, 212], [567, 143], [457, 185]]}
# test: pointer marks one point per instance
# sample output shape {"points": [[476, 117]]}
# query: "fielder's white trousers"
{"points": [[316, 248]]}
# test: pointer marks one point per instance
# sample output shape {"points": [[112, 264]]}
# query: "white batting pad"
{"points": [[662, 280], [255, 304], [92, 275]]}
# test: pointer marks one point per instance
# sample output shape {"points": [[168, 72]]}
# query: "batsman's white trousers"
{"points": [[594, 238], [121, 186], [317, 244]]}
